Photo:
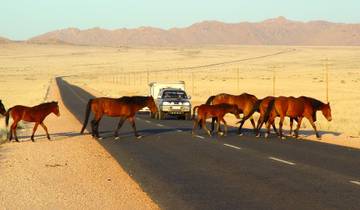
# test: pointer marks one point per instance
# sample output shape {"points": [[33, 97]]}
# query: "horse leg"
{"points": [[268, 123], [121, 122], [97, 128], [12, 128], [280, 126], [259, 125], [218, 126], [203, 122], [253, 124], [274, 127], [132, 122], [298, 127], [196, 122], [240, 126], [225, 126], [93, 125], [314, 126], [291, 125], [213, 120], [34, 130], [46, 130]]}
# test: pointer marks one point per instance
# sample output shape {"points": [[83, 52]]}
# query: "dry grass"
{"points": [[26, 71]]}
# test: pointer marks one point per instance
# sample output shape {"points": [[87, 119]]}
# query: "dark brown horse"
{"points": [[217, 111], [35, 114], [2, 109], [124, 107], [246, 103], [297, 108]]}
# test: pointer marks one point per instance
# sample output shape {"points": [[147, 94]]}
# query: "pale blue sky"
{"points": [[22, 19]]}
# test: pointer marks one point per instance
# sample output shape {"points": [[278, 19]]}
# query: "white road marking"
{"points": [[282, 161], [355, 182], [201, 137], [232, 146], [160, 125]]}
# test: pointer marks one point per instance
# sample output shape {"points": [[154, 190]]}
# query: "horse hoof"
{"points": [[221, 134], [100, 138], [266, 135], [258, 136], [139, 136], [283, 137], [116, 138], [240, 134]]}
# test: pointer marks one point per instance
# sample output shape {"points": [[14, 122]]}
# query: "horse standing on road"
{"points": [[297, 108], [217, 111], [124, 107], [35, 114], [246, 103]]}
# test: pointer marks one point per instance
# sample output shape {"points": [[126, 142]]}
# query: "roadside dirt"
{"points": [[69, 172]]}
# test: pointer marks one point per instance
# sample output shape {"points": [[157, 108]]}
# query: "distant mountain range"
{"points": [[3, 40], [277, 31]]}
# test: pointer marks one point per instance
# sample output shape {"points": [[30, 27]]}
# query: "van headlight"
{"points": [[166, 103], [186, 103]]}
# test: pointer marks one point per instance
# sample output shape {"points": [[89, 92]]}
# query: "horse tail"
{"points": [[194, 110], [268, 110], [209, 100], [87, 114], [257, 105], [7, 117]]}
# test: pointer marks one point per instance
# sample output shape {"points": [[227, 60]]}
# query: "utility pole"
{"points": [[274, 79], [326, 65], [238, 79], [192, 80]]}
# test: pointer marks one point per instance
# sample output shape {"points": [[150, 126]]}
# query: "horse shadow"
{"points": [[108, 134], [53, 136]]}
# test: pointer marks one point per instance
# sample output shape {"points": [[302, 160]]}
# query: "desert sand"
{"points": [[68, 172]]}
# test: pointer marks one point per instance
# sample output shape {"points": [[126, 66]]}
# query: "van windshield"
{"points": [[176, 94]]}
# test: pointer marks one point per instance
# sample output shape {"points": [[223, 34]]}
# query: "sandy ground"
{"points": [[69, 172]]}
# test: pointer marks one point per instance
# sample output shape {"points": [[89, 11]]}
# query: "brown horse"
{"points": [[264, 111], [124, 107], [246, 103], [297, 108], [35, 114], [2, 109], [217, 111]]}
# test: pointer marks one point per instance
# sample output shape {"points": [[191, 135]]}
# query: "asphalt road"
{"points": [[181, 171]]}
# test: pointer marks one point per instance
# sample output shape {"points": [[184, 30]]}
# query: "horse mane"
{"points": [[316, 104], [138, 100], [46, 104]]}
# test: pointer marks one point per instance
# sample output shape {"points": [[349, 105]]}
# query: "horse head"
{"points": [[326, 110], [2, 108], [55, 108], [151, 104]]}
